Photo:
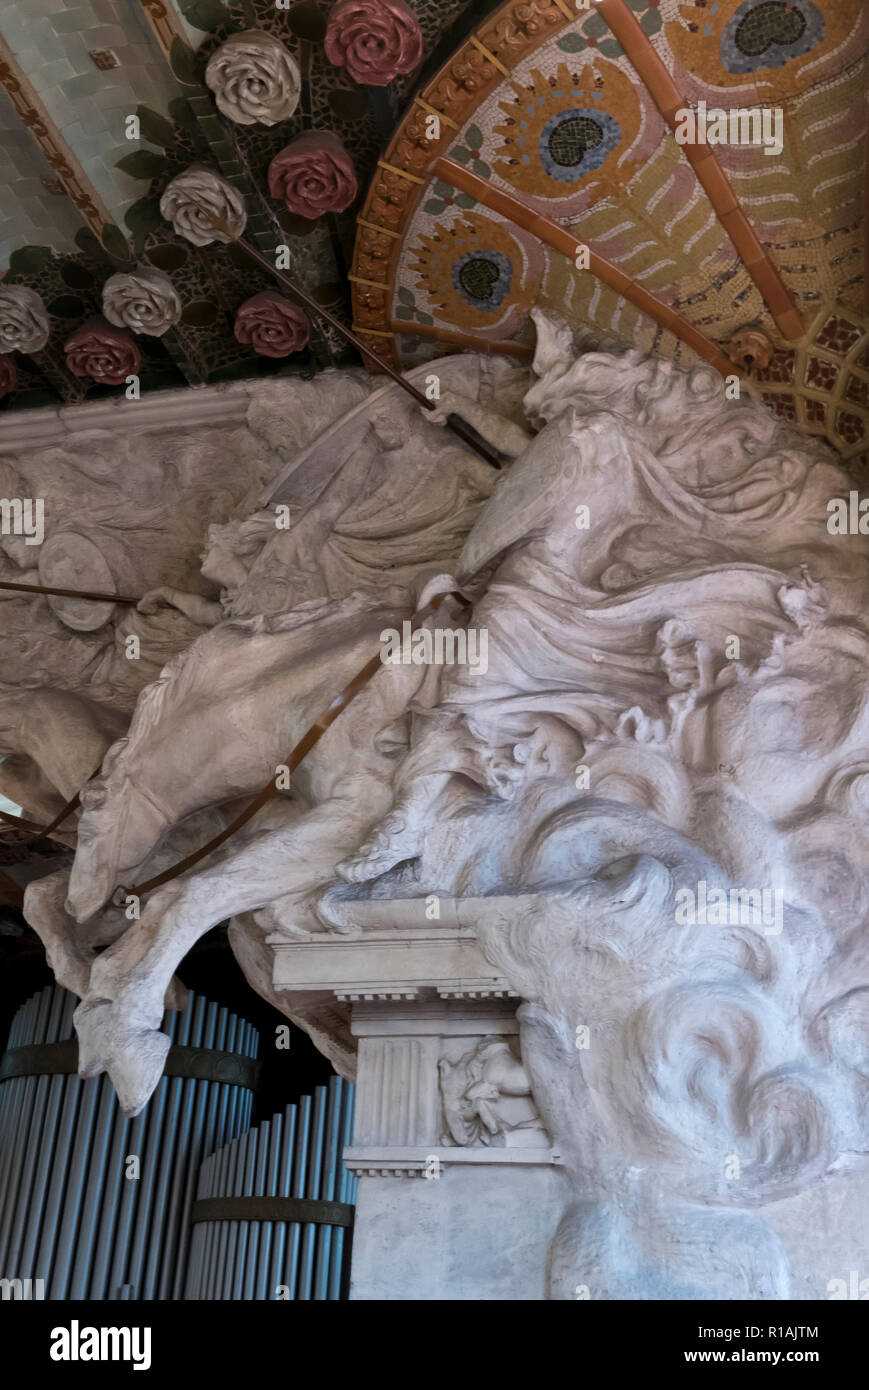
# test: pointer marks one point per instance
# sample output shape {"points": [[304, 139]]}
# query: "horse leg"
{"points": [[71, 946], [69, 953], [118, 1020]]}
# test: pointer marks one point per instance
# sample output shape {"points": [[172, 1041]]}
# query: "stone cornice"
{"points": [[188, 406]]}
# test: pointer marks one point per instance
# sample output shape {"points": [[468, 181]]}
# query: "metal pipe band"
{"points": [[200, 1064], [305, 1209]]}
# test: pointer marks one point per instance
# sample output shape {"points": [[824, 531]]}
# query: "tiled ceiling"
{"points": [[72, 73]]}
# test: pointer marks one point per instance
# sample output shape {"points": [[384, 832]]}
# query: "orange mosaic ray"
{"points": [[669, 100], [560, 239]]}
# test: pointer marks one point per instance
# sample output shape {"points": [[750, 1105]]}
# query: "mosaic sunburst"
{"points": [[478, 265], [779, 43], [568, 130]]}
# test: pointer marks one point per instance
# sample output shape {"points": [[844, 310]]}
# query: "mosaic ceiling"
{"points": [[79, 201], [555, 121], [504, 142]]}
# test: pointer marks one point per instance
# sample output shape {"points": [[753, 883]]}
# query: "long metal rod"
{"points": [[309, 739], [453, 423], [92, 594]]}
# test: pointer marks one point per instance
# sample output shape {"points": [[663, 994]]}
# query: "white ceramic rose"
{"points": [[24, 321], [144, 302], [191, 200], [254, 78]]}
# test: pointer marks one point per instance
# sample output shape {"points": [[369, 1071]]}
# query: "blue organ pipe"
{"points": [[194, 1264], [172, 1246], [327, 1187], [283, 1190], [65, 1128], [30, 1195], [264, 1244], [253, 1237], [126, 1209], [198, 1091], [211, 1035], [247, 1098], [68, 1214], [225, 1233], [231, 1180], [164, 1161], [216, 1233], [27, 1097], [228, 1106], [309, 1234], [246, 1190], [267, 1229], [346, 1193], [97, 1172], [299, 1169], [197, 1242], [223, 1181], [75, 1188], [296, 1153], [115, 1181]]}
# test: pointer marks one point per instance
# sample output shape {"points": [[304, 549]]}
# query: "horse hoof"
{"points": [[136, 1067], [92, 1025]]}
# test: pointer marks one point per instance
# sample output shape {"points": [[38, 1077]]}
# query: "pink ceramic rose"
{"points": [[313, 174], [105, 354], [8, 375], [374, 40], [272, 325]]}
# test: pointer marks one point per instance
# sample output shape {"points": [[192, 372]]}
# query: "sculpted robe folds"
{"points": [[673, 709]]}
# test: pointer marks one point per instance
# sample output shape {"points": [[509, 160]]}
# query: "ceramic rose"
{"points": [[24, 321], [8, 376], [254, 78], [272, 325], [102, 352], [313, 175], [145, 302], [375, 40], [191, 200]]}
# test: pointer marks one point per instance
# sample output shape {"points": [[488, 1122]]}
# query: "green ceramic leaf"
{"points": [[87, 242], [179, 110], [155, 128], [27, 260], [405, 295], [571, 43], [66, 306], [115, 242], [144, 216], [142, 164], [78, 277], [182, 61], [474, 137], [205, 14]]}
